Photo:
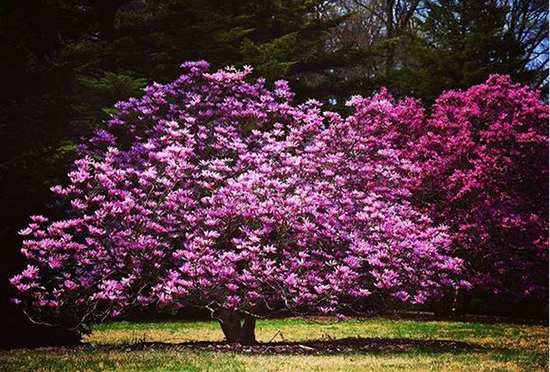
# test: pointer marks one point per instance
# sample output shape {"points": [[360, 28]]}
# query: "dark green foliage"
{"points": [[460, 43], [95, 94]]}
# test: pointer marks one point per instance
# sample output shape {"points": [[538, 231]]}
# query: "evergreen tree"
{"points": [[149, 39], [459, 45]]}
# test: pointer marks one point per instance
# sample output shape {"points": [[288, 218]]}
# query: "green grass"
{"points": [[494, 347]]}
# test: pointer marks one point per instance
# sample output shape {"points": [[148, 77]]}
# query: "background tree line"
{"points": [[64, 63]]}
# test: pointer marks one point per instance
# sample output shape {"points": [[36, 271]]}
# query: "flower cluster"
{"points": [[484, 155], [483, 160], [218, 192]]}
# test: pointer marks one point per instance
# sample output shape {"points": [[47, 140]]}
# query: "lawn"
{"points": [[381, 345]]}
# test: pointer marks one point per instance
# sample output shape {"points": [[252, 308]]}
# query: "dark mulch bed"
{"points": [[315, 347]]}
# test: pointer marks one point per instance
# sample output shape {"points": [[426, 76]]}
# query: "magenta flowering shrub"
{"points": [[220, 193], [484, 154]]}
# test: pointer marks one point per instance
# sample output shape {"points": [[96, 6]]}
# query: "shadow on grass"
{"points": [[313, 347]]}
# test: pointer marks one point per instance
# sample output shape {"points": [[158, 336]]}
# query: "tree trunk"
{"points": [[462, 302], [238, 327], [448, 305], [390, 33]]}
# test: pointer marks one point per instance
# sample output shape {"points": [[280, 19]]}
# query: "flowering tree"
{"points": [[219, 193], [484, 153]]}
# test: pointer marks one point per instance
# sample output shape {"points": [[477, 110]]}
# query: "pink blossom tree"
{"points": [[219, 193], [484, 153]]}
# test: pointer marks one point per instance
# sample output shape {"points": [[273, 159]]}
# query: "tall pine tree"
{"points": [[460, 43]]}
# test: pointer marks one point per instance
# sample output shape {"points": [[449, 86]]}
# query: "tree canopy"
{"points": [[219, 193]]}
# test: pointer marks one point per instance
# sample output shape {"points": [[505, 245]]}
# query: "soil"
{"points": [[315, 347]]}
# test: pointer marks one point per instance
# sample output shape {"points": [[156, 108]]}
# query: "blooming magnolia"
{"points": [[220, 193], [483, 156], [484, 153]]}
